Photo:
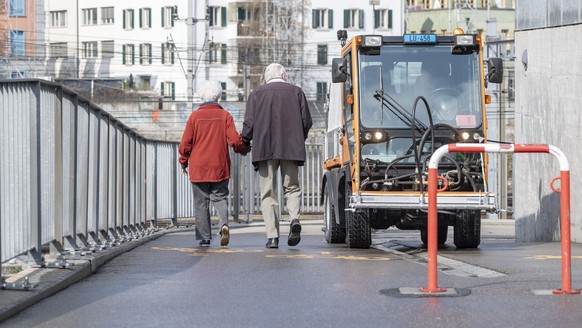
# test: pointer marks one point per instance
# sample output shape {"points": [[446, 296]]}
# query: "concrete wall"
{"points": [[548, 95]]}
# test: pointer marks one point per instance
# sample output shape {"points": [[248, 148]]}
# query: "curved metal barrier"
{"points": [[75, 178], [499, 148]]}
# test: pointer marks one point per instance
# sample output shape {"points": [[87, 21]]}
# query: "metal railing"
{"points": [[74, 177]]}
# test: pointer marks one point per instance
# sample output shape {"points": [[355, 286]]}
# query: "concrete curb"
{"points": [[53, 280]]}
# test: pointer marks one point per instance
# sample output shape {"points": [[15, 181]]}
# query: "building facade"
{"points": [[166, 49], [171, 46], [21, 40]]}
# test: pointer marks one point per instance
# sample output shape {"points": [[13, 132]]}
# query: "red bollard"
{"points": [[565, 234], [431, 234], [432, 224]]}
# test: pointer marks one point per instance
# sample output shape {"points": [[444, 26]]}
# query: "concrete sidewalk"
{"points": [[50, 280], [71, 269]]}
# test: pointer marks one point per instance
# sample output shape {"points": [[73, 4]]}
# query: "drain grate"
{"points": [[445, 264]]}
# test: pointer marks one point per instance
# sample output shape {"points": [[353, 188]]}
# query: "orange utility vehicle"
{"points": [[393, 101]]}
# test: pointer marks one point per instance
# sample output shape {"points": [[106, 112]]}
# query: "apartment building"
{"points": [[168, 47], [21, 35], [442, 4]]}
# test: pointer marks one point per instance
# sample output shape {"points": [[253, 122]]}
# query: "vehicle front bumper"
{"points": [[445, 201]]}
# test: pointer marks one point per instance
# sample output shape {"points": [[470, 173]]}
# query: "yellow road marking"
{"points": [[549, 257], [204, 252], [321, 255], [330, 256]]}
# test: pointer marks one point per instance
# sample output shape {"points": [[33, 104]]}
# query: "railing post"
{"points": [[236, 188]]}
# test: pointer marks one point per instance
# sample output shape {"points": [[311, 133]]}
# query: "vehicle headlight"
{"points": [[465, 136], [372, 41]]}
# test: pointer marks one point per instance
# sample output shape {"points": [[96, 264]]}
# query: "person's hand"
{"points": [[243, 149], [185, 170]]}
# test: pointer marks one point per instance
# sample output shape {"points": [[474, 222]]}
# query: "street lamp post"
{"points": [[190, 21]]}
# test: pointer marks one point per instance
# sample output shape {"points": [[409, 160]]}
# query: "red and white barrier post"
{"points": [[499, 148]]}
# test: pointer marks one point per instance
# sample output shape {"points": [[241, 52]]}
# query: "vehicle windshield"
{"points": [[391, 81]]}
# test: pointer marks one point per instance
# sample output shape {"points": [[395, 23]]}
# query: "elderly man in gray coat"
{"points": [[277, 120]]}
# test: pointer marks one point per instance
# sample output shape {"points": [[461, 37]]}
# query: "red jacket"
{"points": [[204, 146]]}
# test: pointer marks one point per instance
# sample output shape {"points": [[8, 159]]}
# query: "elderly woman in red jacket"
{"points": [[204, 157]]}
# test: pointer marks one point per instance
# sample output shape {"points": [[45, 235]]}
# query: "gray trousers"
{"points": [[269, 197], [204, 193]]}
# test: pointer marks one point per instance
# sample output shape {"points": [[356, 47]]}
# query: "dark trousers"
{"points": [[204, 193]]}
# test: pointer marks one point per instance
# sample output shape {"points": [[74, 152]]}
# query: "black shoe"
{"points": [[204, 243], [224, 235], [272, 243], [294, 233]]}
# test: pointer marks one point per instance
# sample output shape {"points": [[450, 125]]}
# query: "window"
{"points": [[145, 18], [322, 54], [223, 94], [17, 43], [511, 85], [58, 50], [18, 74], [321, 91], [322, 18], [128, 54], [223, 58], [145, 81], [168, 89], [90, 16], [217, 16], [16, 8], [58, 18], [212, 53], [383, 19], [244, 14], [167, 53], [128, 22], [107, 15], [504, 34], [145, 53], [89, 49], [353, 18], [107, 49], [168, 17]]}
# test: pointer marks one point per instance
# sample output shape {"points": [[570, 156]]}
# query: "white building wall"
{"points": [[548, 83], [75, 33], [192, 37], [547, 112], [328, 36]]}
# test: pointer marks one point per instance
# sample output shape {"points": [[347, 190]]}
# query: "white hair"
{"points": [[210, 91], [275, 71]]}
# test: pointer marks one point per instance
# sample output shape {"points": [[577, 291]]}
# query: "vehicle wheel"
{"points": [[334, 233], [358, 230], [467, 232], [442, 234]]}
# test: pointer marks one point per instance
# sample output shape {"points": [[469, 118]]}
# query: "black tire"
{"points": [[442, 234], [334, 233], [358, 229], [467, 232]]}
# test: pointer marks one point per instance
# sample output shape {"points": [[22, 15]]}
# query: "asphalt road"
{"points": [[170, 282]]}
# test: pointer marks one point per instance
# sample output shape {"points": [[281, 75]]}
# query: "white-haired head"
{"points": [[275, 71], [210, 91]]}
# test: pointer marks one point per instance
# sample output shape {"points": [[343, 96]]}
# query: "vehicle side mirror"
{"points": [[339, 70], [495, 70]]}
